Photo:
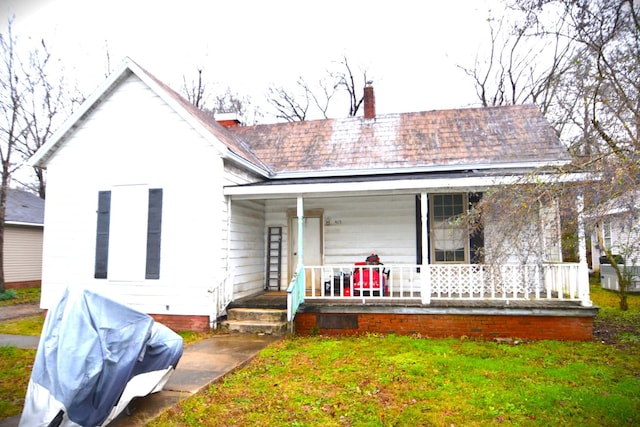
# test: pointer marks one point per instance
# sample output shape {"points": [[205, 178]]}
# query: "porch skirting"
{"points": [[523, 320]]}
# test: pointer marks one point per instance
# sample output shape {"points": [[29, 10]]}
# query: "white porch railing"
{"points": [[222, 294], [295, 294], [450, 281]]}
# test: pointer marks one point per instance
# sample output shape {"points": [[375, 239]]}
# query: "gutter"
{"points": [[418, 169], [23, 224], [409, 186]]}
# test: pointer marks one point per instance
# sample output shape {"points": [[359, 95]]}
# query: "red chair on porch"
{"points": [[369, 277]]}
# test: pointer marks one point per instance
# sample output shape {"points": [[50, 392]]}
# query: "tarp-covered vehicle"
{"points": [[95, 355]]}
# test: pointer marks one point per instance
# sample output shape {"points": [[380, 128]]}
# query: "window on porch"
{"points": [[449, 235], [448, 239]]}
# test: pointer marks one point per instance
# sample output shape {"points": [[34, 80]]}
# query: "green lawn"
{"points": [[409, 381], [398, 381]]}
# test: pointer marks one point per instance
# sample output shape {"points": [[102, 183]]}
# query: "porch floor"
{"points": [[278, 299]]}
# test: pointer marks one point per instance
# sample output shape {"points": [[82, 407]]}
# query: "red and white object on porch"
{"points": [[369, 277]]}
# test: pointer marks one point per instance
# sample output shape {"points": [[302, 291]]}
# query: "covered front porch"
{"points": [[432, 297]]}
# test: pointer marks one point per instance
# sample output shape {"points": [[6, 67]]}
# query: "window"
{"points": [[606, 234], [449, 235], [128, 233]]}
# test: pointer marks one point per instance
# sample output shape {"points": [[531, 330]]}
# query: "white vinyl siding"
{"points": [[248, 246], [22, 253], [134, 139], [355, 227], [242, 237]]}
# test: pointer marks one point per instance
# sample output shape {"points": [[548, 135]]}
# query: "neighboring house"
{"points": [[24, 222], [153, 203], [620, 227]]}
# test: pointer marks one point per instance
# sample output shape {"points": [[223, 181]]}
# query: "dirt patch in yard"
{"points": [[17, 311], [620, 334]]}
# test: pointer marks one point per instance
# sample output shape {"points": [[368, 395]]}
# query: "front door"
{"points": [[312, 244]]}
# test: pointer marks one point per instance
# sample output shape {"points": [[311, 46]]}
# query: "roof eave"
{"points": [[407, 186], [421, 169], [24, 224]]}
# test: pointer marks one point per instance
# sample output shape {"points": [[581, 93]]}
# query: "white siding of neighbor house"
{"points": [[624, 239], [134, 138], [22, 253]]}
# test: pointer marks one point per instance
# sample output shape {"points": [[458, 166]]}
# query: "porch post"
{"points": [[425, 273], [583, 270], [300, 266]]}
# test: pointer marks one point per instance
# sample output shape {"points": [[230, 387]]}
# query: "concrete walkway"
{"points": [[201, 364]]}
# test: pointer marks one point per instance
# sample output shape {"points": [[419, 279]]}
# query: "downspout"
{"points": [[425, 271], [583, 270]]}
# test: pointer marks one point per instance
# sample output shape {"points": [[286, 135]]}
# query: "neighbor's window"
{"points": [[606, 234], [449, 235]]}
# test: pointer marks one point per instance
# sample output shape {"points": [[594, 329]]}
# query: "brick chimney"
{"points": [[369, 102], [228, 120]]}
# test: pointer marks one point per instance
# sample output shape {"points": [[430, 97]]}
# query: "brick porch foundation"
{"points": [[566, 324]]}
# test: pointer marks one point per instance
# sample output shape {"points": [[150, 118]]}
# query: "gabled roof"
{"points": [[24, 208], [475, 139], [461, 139], [227, 143]]}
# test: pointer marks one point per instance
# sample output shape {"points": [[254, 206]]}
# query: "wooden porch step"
{"points": [[256, 321]]}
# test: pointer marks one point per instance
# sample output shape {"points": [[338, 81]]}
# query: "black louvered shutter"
{"points": [[476, 239], [419, 243], [154, 228], [102, 234]]}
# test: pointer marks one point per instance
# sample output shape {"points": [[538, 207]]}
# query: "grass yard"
{"points": [[398, 381], [410, 381], [23, 296]]}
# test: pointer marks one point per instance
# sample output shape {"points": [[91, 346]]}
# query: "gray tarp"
{"points": [[91, 348]]}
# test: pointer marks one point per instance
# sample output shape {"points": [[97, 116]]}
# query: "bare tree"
{"points": [[521, 66], [46, 102], [195, 90], [308, 100], [11, 128], [208, 97], [589, 89], [289, 105], [32, 104]]}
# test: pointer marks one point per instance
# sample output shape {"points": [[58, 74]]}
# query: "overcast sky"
{"points": [[410, 49]]}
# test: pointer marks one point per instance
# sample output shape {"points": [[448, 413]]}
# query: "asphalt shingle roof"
{"points": [[23, 206], [470, 136]]}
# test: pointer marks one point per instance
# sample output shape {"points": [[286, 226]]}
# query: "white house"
{"points": [[620, 226], [153, 203]]}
